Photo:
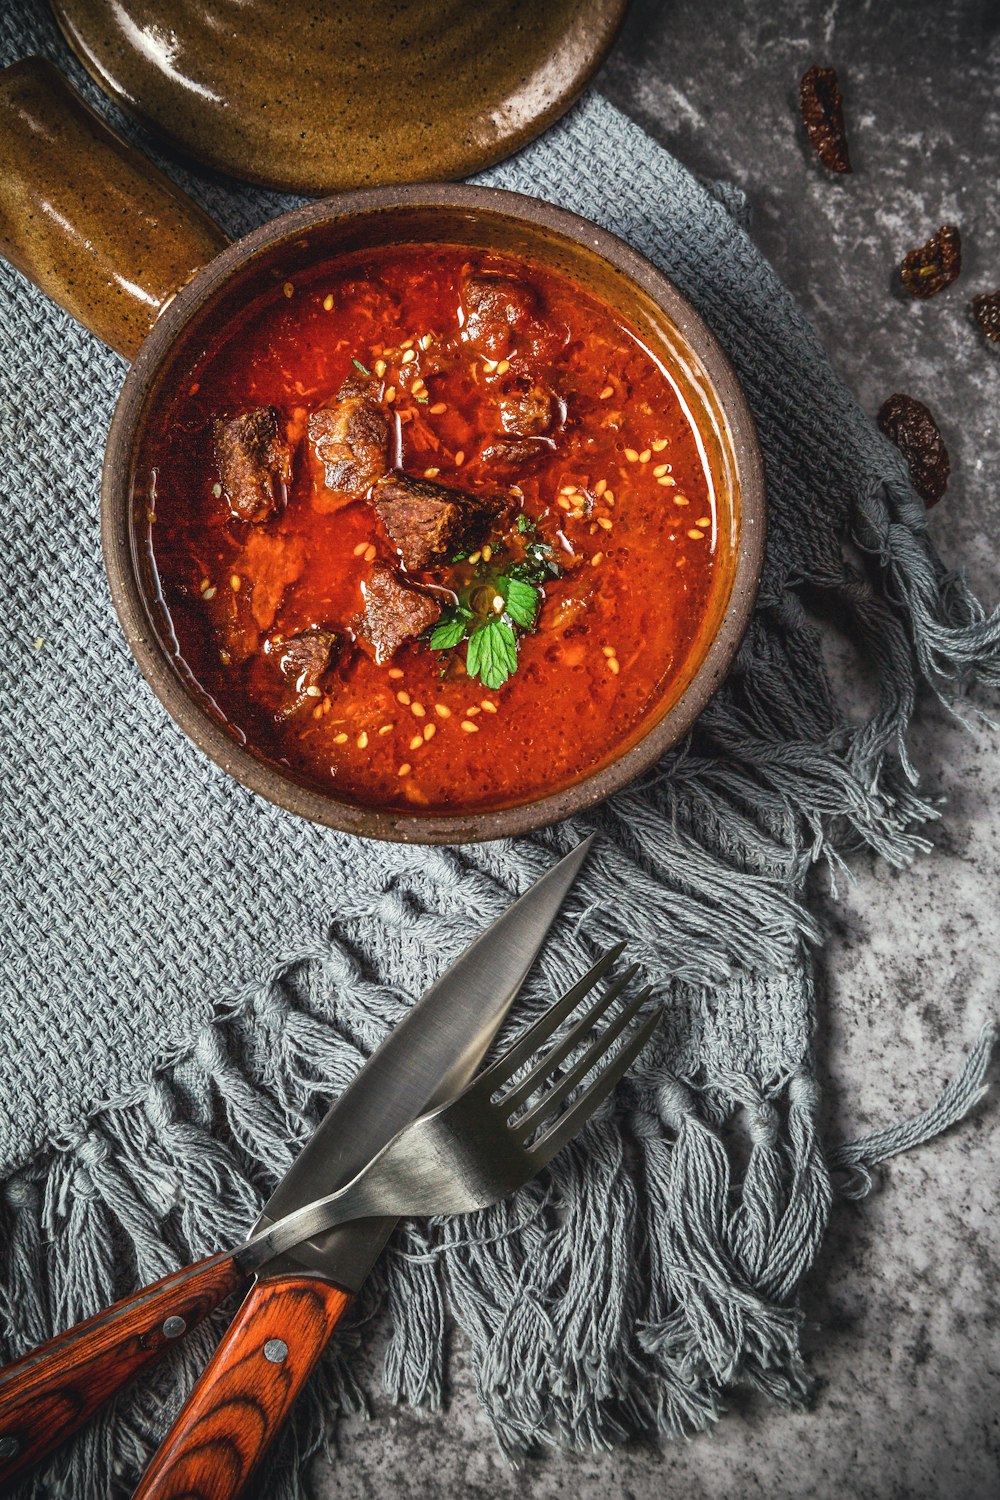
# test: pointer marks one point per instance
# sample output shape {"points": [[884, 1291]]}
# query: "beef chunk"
{"points": [[254, 462], [394, 612], [350, 438], [496, 307], [526, 413], [304, 658], [512, 455], [430, 521]]}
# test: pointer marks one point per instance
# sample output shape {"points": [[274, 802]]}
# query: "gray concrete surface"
{"points": [[903, 1306]]}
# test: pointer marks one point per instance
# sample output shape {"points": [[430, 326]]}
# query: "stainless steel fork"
{"points": [[484, 1144]]}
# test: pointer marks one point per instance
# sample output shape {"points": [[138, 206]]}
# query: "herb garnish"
{"points": [[359, 366], [501, 601]]}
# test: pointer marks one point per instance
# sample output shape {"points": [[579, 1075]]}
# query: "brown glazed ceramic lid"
{"points": [[343, 93]]}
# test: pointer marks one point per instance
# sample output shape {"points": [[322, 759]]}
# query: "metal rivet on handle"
{"points": [[276, 1350], [174, 1327], [9, 1446]]}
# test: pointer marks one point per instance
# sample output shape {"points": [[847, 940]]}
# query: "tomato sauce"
{"points": [[616, 490]]}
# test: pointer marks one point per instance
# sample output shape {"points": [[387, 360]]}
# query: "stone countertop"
{"points": [[904, 1305]]}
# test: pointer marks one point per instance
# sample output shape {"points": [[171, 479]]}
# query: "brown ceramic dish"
{"points": [[327, 96], [58, 153]]}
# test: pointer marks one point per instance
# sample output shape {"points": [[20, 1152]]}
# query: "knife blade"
{"points": [[429, 1056]]}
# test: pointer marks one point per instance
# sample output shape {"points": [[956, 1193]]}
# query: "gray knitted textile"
{"points": [[191, 973]]}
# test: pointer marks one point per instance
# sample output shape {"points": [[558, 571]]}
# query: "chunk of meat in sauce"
{"points": [[510, 456], [428, 521], [394, 613], [254, 463], [496, 307], [526, 413], [304, 658], [349, 440]]}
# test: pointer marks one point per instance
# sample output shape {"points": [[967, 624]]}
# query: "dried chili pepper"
{"points": [[909, 424], [986, 311], [931, 267], [823, 116]]}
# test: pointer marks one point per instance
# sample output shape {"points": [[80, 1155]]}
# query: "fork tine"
{"points": [[498, 1072], [561, 1049], [567, 1082], [572, 1120]]}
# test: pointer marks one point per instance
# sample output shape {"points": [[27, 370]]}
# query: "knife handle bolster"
{"points": [[50, 1393], [248, 1387]]}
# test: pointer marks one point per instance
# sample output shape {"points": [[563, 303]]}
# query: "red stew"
{"points": [[433, 529]]}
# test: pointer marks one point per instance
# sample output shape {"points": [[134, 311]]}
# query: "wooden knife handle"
{"points": [[235, 1411], [48, 1394]]}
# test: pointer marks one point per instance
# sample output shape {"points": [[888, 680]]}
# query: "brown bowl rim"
{"points": [[133, 607]]}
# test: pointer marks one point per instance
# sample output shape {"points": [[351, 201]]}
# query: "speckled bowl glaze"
{"points": [[283, 249], [318, 97]]}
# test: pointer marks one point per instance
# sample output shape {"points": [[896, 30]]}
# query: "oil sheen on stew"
{"points": [[433, 530]]}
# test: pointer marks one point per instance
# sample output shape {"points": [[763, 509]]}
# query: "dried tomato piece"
{"points": [[931, 267], [823, 116], [909, 424], [986, 311]]}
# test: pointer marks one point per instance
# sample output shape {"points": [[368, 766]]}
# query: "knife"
{"points": [[296, 1301]]}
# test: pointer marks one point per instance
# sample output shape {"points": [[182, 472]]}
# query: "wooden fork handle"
{"points": [[247, 1390], [48, 1394]]}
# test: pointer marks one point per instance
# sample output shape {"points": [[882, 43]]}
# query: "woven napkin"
{"points": [[191, 972]]}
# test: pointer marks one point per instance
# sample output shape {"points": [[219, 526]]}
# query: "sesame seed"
{"points": [[225, 658], [217, 490], [395, 673], [363, 740], [503, 367], [597, 557], [489, 365], [632, 454], [568, 489], [474, 557], [204, 584], [426, 340], [695, 534], [459, 458], [488, 706], [681, 500], [487, 552], [563, 503], [417, 387], [605, 523], [385, 728], [430, 730], [234, 583], [660, 469], [340, 739], [408, 357], [404, 769], [614, 665], [403, 698], [418, 710], [407, 344], [312, 691], [361, 547], [328, 304], [469, 727], [438, 408], [498, 603], [600, 487], [379, 367], [705, 521], [658, 444], [608, 390], [390, 395], [288, 289], [317, 712], [431, 473], [667, 481], [645, 455], [609, 651], [416, 742], [370, 552], [473, 710], [442, 710]]}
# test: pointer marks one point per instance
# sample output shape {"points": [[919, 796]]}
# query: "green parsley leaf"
{"points": [[522, 599], [525, 525], [359, 366], [450, 629], [492, 655]]}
